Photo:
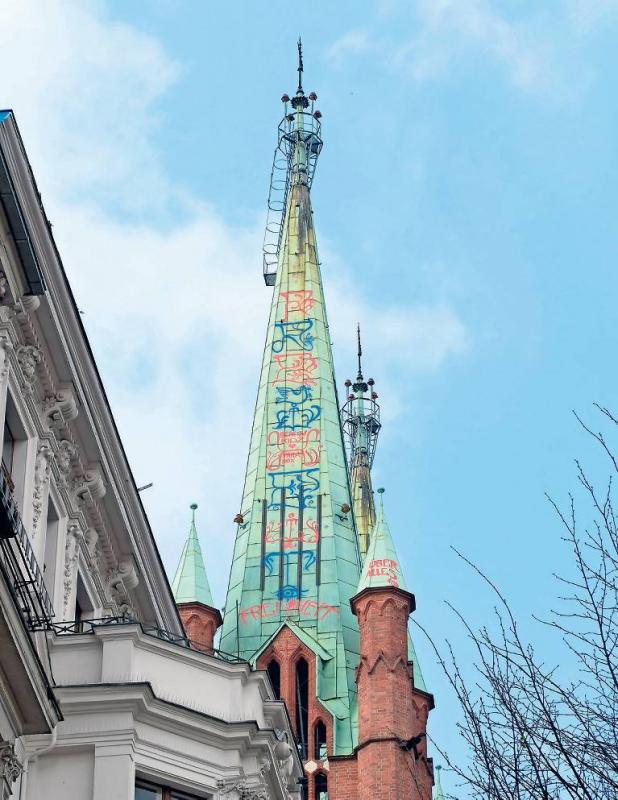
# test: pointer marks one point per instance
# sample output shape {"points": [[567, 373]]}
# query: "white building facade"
{"points": [[101, 694]]}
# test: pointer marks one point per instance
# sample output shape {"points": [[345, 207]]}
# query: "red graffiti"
{"points": [[295, 368], [300, 300], [386, 568], [292, 446], [273, 608], [291, 538]]}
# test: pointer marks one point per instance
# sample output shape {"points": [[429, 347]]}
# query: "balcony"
{"points": [[19, 565]]}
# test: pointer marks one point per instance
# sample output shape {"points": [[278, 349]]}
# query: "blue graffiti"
{"points": [[299, 485], [295, 416], [289, 592], [298, 333], [269, 560]]}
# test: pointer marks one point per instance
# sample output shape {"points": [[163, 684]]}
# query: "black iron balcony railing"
{"points": [[19, 564], [89, 626]]}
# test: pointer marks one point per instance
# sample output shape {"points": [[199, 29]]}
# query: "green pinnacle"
{"points": [[381, 566], [190, 584]]}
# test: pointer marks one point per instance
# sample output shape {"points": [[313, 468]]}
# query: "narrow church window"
{"points": [[321, 787], [302, 705], [319, 740], [274, 673]]}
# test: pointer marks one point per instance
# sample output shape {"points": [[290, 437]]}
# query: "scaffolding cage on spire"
{"points": [[360, 418], [299, 143]]}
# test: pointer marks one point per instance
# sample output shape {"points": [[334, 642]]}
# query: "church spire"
{"points": [[296, 561], [190, 584], [361, 424]]}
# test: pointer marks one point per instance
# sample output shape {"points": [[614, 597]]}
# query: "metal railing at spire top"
{"points": [[299, 132]]}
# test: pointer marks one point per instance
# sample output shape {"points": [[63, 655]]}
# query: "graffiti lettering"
{"points": [[286, 447], [300, 301], [295, 368], [309, 535], [273, 608], [296, 415], [300, 486], [297, 333], [385, 567], [269, 558]]}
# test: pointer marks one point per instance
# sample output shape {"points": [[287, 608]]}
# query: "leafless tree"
{"points": [[544, 732]]}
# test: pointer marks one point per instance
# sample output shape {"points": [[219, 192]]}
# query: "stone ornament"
{"points": [[6, 345], [29, 357], [41, 480], [71, 554], [10, 766], [241, 789], [61, 408]]}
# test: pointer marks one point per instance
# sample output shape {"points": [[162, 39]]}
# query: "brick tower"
{"points": [[392, 744], [191, 590]]}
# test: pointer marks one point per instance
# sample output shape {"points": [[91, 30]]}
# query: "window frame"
{"points": [[166, 792]]}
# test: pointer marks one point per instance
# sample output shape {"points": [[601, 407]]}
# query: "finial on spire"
{"points": [[360, 352], [300, 66]]}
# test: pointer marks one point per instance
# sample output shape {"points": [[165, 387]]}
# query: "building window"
{"points": [[84, 607], [50, 560], [319, 740], [274, 673], [8, 451], [321, 787], [148, 791], [302, 706], [14, 451]]}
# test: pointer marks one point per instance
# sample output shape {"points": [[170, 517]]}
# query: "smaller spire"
{"points": [[381, 566], [438, 793], [190, 584]]}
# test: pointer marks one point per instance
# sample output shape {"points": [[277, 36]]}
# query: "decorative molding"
{"points": [[242, 789], [66, 455], [90, 486], [41, 481], [29, 357], [71, 554], [60, 408], [10, 767], [6, 345]]}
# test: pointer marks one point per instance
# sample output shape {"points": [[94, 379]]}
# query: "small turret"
{"points": [[392, 714], [191, 591]]}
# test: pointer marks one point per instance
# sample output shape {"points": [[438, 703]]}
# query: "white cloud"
{"points": [[456, 24], [176, 314], [351, 43], [538, 48]]}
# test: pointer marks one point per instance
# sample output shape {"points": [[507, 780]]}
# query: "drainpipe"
{"points": [[33, 756]]}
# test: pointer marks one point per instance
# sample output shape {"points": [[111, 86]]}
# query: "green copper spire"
{"points": [[190, 584], [438, 793], [296, 559], [381, 566]]}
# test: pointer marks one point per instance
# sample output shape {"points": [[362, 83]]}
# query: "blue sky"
{"points": [[466, 212]]}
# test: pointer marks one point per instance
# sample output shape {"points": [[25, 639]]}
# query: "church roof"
{"points": [[381, 566], [190, 584]]}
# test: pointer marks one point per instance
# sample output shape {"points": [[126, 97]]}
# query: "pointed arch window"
{"points": [[321, 786], [274, 673], [319, 740], [302, 706]]}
